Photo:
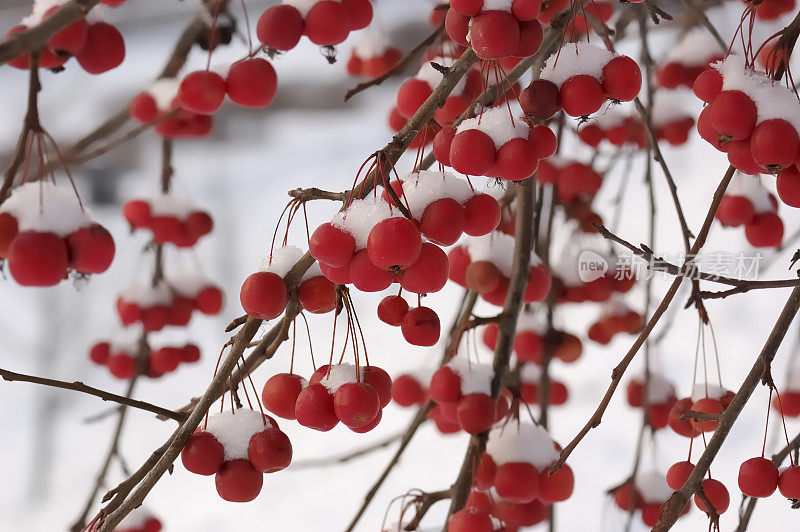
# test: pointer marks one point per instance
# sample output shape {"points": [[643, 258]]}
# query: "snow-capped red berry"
{"points": [[144, 108], [411, 95], [280, 394], [442, 221], [789, 482], [104, 49], [407, 391], [238, 481], [251, 83], [37, 259], [280, 27], [392, 309], [263, 295], [517, 159], [540, 99], [356, 404], [707, 406], [202, 92], [327, 23], [758, 477], [774, 144], [765, 230], [314, 408], [91, 249], [517, 482], [429, 272], [622, 79], [421, 327], [472, 152], [317, 295], [331, 245], [8, 230], [556, 487], [733, 114], [121, 366], [470, 520], [476, 412], [678, 474], [394, 242], [581, 95], [269, 450], [445, 386], [203, 454], [481, 215], [494, 34], [380, 381], [708, 85], [717, 494]]}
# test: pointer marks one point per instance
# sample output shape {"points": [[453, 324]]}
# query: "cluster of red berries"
{"points": [[419, 326], [160, 99], [576, 181], [707, 399], [264, 294], [170, 219], [583, 76], [324, 22], [616, 318], [617, 129], [45, 233], [462, 390], [529, 340], [748, 203], [517, 465], [238, 448], [692, 54], [647, 493], [760, 477], [120, 358], [352, 395], [498, 30], [660, 398], [157, 306], [372, 56], [749, 116], [530, 376], [483, 264], [97, 45], [494, 145], [483, 510]]}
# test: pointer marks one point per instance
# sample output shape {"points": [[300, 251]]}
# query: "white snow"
{"points": [[433, 77], [530, 374], [669, 106], [372, 42], [498, 248], [170, 205], [423, 188], [497, 5], [751, 188], [475, 377], [136, 519], [522, 442], [234, 430], [282, 260], [496, 122], [45, 207], [695, 48], [40, 7], [342, 374], [530, 320], [126, 340], [772, 99], [576, 59], [164, 91], [653, 487], [362, 215], [313, 271], [702, 390], [145, 295], [659, 389]]}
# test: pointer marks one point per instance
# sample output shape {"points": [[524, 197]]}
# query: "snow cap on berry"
{"points": [[420, 189], [497, 248], [701, 390], [496, 123], [751, 188], [695, 48], [522, 442], [360, 217], [234, 430], [576, 59], [652, 486], [475, 377], [433, 77], [45, 207], [340, 374]]}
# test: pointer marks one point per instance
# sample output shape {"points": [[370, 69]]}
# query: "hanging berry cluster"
{"points": [[748, 203], [324, 22]]}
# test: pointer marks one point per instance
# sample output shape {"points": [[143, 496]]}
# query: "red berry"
{"points": [[280, 27], [530, 39], [380, 381], [483, 277], [517, 159], [717, 494], [209, 300], [517, 482], [104, 49], [201, 92], [165, 360], [190, 353], [331, 245], [251, 83], [199, 223], [789, 482], [121, 366], [581, 95], [327, 23], [678, 474], [622, 79], [736, 210], [100, 352], [37, 259], [733, 115], [469, 8], [442, 221], [708, 85], [539, 283], [459, 261], [366, 276], [314, 408], [359, 12], [476, 413], [494, 34], [529, 346], [394, 242], [203, 454], [429, 272], [269, 450], [263, 295], [470, 520], [72, 39], [407, 391], [280, 394], [774, 144], [627, 497], [544, 139], [356, 404], [238, 481], [457, 26], [540, 99], [707, 406], [765, 230], [143, 109], [91, 249], [445, 386], [481, 215], [758, 477], [421, 327], [526, 9], [392, 309], [788, 403], [411, 95], [472, 152], [556, 487], [317, 295]]}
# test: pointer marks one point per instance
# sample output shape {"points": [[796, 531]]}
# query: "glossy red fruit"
{"points": [[380, 381], [445, 386], [476, 413], [72, 39], [429, 272], [472, 152], [314, 408], [421, 327], [622, 79], [734, 211], [678, 473], [201, 92], [717, 494], [359, 13], [121, 366], [8, 230], [280, 27], [517, 159], [104, 49], [327, 23], [251, 83], [392, 309], [270, 450], [733, 115], [789, 482], [442, 222], [774, 144], [457, 26], [280, 394], [581, 95], [469, 8], [481, 215], [137, 213], [758, 477], [366, 276], [556, 487], [494, 34], [37, 259], [331, 245], [765, 230], [627, 497], [470, 520], [263, 295], [788, 184], [539, 283], [708, 85], [394, 242], [407, 391], [540, 99], [238, 481], [91, 249], [356, 404], [317, 295], [203, 454], [788, 403], [411, 95], [517, 482]]}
